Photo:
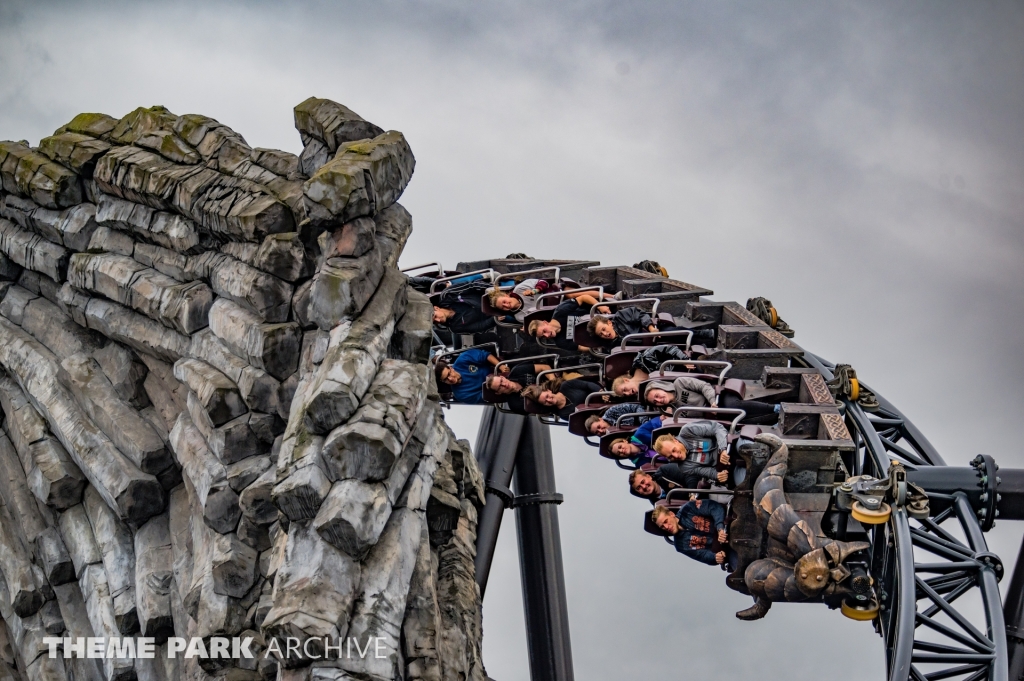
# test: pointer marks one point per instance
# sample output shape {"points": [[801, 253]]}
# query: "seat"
{"points": [[614, 433], [749, 432], [492, 397], [735, 385], [718, 414], [578, 419], [619, 362]]}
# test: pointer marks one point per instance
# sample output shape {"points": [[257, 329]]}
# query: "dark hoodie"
{"points": [[576, 392], [631, 320], [651, 359], [699, 523], [465, 301], [672, 474]]}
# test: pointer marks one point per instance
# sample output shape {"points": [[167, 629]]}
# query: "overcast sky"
{"points": [[861, 164]]}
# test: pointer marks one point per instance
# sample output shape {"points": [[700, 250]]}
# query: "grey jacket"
{"points": [[689, 392], [704, 440]]}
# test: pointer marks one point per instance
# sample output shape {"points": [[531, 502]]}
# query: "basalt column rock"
{"points": [[217, 414]]}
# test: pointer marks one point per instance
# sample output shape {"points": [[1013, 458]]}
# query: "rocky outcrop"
{"points": [[217, 416]]}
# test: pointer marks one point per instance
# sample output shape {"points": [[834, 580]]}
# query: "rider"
{"points": [[631, 320], [645, 363], [561, 396], [623, 322], [561, 329], [521, 300], [642, 484], [695, 528], [599, 424], [696, 448], [466, 375], [510, 386], [684, 391], [629, 448], [457, 309]]}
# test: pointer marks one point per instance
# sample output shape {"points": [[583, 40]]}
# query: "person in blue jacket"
{"points": [[598, 424], [695, 529], [466, 375], [643, 434]]}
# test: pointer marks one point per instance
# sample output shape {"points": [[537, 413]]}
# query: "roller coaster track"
{"points": [[928, 566]]}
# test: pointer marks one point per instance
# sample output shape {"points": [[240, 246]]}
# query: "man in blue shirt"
{"points": [[466, 375]]}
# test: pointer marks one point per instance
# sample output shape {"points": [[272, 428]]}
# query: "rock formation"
{"points": [[217, 416]]}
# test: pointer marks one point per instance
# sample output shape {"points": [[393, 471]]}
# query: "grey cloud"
{"points": [[805, 151]]}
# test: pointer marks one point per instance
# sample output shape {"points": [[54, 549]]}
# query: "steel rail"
{"points": [[953, 569]]}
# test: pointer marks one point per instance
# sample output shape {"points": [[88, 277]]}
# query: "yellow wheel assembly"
{"points": [[866, 516], [861, 613]]}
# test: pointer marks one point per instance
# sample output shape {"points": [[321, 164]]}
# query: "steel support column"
{"points": [[540, 557], [497, 442], [1013, 615]]}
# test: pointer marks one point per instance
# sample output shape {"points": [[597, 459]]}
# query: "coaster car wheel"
{"points": [[861, 612], [866, 516]]}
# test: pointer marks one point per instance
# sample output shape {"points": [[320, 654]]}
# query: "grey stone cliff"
{"points": [[217, 417]]}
